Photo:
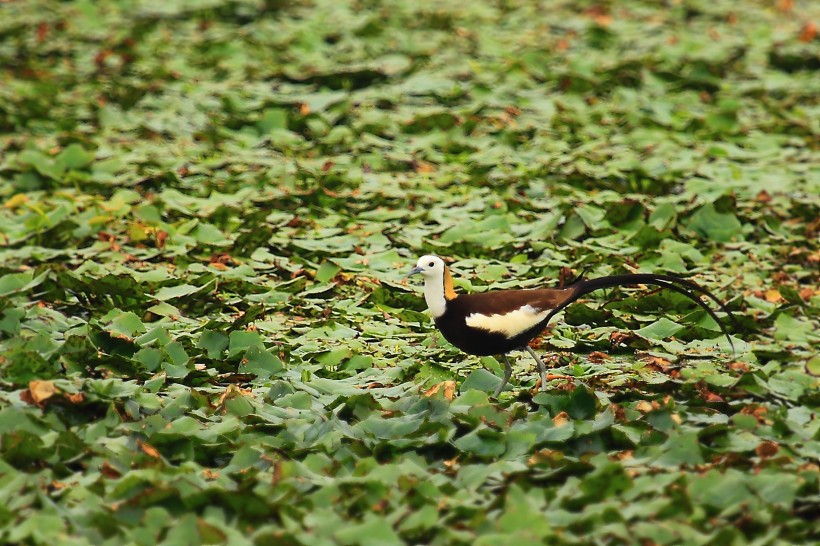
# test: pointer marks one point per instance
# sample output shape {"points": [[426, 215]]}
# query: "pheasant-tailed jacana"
{"points": [[497, 322]]}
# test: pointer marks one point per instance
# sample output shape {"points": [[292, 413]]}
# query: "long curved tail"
{"points": [[682, 286]]}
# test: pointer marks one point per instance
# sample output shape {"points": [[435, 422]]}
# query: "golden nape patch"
{"points": [[449, 291]]}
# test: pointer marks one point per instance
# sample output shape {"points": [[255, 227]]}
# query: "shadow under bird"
{"points": [[497, 322]]}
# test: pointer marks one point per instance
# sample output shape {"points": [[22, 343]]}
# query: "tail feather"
{"points": [[681, 286]]}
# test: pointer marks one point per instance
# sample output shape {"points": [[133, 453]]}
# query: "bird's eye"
{"points": [[432, 264]]}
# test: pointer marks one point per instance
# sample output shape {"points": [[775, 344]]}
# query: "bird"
{"points": [[501, 321]]}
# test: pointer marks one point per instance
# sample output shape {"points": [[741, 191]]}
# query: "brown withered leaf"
{"points": [[564, 275], [644, 407], [709, 396], [424, 167], [618, 411], [277, 472], [380, 506], [221, 258], [767, 449], [562, 44], [758, 412], [616, 338], [706, 394], [808, 293], [659, 363], [599, 14], [808, 32], [513, 111], [597, 357], [763, 197], [107, 470], [780, 277], [25, 396], [160, 237]]}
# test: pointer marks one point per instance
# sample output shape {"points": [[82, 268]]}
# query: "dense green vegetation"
{"points": [[208, 207]]}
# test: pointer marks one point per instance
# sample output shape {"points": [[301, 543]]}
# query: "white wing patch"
{"points": [[509, 324]]}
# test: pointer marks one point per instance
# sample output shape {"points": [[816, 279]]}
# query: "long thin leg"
{"points": [[542, 370], [507, 374]]}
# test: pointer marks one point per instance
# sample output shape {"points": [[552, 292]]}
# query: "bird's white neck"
{"points": [[434, 296], [438, 290]]}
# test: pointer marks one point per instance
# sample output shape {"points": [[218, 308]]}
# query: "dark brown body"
{"points": [[478, 341], [483, 343]]}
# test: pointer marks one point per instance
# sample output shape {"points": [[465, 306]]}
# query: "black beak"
{"points": [[415, 271]]}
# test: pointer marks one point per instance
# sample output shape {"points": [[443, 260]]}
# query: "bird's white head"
{"points": [[438, 284], [429, 267]]}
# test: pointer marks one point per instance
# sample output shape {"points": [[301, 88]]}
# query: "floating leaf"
{"points": [[720, 227], [74, 156], [179, 291], [661, 329]]}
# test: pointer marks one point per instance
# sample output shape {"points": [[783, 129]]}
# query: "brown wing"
{"points": [[507, 301]]}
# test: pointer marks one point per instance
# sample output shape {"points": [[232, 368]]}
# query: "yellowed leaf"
{"points": [[773, 296], [561, 419], [543, 455], [148, 449], [424, 167], [231, 392], [41, 390], [15, 201], [448, 387], [77, 398]]}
